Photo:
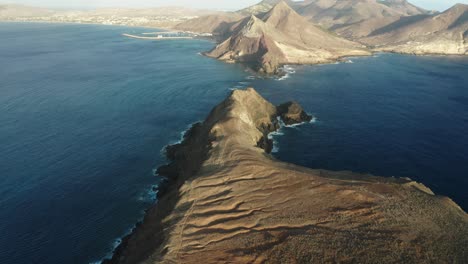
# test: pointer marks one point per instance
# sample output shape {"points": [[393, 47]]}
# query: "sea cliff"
{"points": [[227, 200]]}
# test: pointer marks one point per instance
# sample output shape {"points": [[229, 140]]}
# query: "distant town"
{"points": [[153, 17], [160, 21]]}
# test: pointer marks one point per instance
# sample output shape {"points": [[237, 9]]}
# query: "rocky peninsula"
{"points": [[282, 36], [227, 200]]}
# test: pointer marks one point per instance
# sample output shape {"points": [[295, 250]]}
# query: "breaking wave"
{"points": [[280, 132]]}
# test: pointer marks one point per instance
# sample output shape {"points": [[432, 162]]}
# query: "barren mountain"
{"points": [[350, 18], [228, 201], [217, 24], [403, 7], [356, 18], [444, 33], [281, 36], [265, 6], [222, 24]]}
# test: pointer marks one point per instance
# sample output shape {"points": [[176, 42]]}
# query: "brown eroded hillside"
{"points": [[265, 6], [356, 18], [348, 18], [216, 24], [281, 36], [444, 33]]}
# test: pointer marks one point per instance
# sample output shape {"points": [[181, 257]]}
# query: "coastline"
{"points": [[372, 50], [76, 23], [133, 231], [190, 157]]}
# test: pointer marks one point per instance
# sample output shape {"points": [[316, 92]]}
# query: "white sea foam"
{"points": [[275, 148], [280, 132], [272, 136], [275, 133], [296, 125], [313, 120], [181, 138], [114, 246], [149, 195], [288, 70]]}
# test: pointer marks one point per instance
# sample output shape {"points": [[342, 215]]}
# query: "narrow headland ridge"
{"points": [[226, 200]]}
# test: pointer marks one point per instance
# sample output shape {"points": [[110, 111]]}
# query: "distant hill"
{"points": [[16, 11], [403, 7], [217, 24], [444, 33], [161, 17], [169, 11], [350, 18], [281, 36], [11, 11], [356, 18], [265, 6]]}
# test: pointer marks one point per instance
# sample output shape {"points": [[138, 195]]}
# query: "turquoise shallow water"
{"points": [[85, 112]]}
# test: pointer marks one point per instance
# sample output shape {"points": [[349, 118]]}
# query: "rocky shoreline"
{"points": [[226, 199]]}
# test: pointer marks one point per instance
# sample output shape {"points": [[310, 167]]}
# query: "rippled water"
{"points": [[85, 112]]}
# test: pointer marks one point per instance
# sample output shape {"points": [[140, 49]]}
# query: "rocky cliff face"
{"points": [[444, 33], [228, 201], [281, 36]]}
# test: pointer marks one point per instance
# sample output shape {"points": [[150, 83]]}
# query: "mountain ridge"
{"points": [[442, 33], [351, 19], [281, 36]]}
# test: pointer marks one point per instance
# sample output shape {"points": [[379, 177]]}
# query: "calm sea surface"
{"points": [[85, 112]]}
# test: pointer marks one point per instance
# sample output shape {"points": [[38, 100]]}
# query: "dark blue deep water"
{"points": [[387, 115], [85, 112]]}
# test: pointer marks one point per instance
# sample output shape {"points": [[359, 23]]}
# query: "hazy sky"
{"points": [[215, 4]]}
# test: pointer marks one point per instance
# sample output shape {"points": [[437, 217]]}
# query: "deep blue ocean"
{"points": [[85, 113]]}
